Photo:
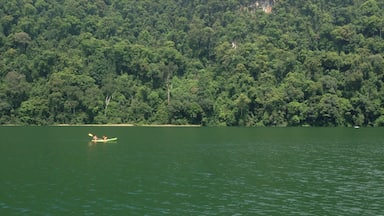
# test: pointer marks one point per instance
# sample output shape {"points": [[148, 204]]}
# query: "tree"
{"points": [[242, 102], [16, 88], [333, 111], [34, 111], [21, 40], [67, 96]]}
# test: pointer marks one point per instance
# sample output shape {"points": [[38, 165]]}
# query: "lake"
{"points": [[192, 171]]}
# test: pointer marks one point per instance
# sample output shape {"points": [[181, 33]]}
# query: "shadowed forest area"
{"points": [[214, 63]]}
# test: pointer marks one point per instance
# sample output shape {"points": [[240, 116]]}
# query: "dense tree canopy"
{"points": [[232, 63]]}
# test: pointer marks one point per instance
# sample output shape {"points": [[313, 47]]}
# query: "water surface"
{"points": [[191, 171]]}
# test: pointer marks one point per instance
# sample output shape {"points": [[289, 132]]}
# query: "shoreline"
{"points": [[102, 125], [124, 125]]}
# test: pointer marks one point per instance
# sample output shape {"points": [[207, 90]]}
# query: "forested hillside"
{"points": [[234, 63]]}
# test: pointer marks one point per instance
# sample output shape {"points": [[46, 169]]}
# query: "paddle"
{"points": [[91, 135]]}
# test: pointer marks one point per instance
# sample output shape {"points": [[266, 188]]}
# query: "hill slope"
{"points": [[253, 63]]}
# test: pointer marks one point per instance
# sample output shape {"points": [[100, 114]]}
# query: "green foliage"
{"points": [[316, 63]]}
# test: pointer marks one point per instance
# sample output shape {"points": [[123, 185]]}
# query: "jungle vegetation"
{"points": [[214, 63]]}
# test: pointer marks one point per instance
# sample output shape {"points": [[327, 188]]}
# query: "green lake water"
{"points": [[192, 171]]}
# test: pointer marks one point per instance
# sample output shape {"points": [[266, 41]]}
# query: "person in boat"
{"points": [[95, 138], [105, 137]]}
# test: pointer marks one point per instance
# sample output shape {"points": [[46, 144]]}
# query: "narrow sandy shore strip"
{"points": [[125, 125], [94, 125]]}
